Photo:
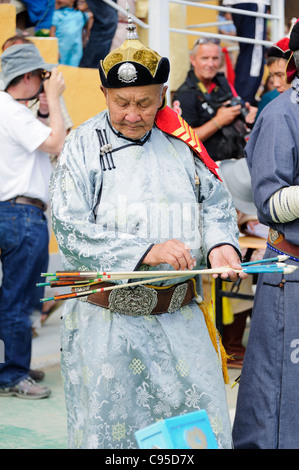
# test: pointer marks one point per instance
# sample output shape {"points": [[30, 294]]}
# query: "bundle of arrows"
{"points": [[89, 278]]}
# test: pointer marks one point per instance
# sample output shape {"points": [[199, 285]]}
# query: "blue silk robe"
{"points": [[122, 373]]}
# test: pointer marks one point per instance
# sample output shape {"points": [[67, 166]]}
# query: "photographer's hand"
{"points": [[250, 118], [226, 115]]}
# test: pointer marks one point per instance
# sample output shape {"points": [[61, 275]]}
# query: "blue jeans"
{"points": [[24, 242]]}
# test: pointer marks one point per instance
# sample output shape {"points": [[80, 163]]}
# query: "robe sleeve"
{"points": [[273, 160], [218, 214]]}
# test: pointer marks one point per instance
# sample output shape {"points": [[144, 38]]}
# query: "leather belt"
{"points": [[30, 201], [277, 241], [141, 300]]}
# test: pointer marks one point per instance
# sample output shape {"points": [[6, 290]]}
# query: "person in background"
{"points": [[40, 15], [210, 105], [101, 34], [277, 58], [250, 63], [224, 28], [121, 30], [146, 353], [47, 308], [68, 24], [267, 412], [82, 5], [26, 142]]}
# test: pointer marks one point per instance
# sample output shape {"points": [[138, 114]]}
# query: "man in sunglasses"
{"points": [[26, 142], [210, 104]]}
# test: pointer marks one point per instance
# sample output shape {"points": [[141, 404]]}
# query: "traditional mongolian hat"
{"points": [[294, 46], [133, 64], [280, 49]]}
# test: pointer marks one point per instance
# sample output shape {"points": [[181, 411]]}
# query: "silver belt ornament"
{"points": [[140, 300]]}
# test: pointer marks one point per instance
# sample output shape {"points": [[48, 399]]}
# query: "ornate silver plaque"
{"points": [[135, 301], [127, 73], [177, 298], [273, 235]]}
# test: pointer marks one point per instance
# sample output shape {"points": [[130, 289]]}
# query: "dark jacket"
{"points": [[197, 108]]}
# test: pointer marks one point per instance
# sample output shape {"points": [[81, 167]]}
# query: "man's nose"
{"points": [[276, 82], [133, 116], [211, 63]]}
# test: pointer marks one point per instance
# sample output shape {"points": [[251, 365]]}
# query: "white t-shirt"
{"points": [[24, 170]]}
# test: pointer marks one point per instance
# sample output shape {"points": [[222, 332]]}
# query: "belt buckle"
{"points": [[134, 301]]}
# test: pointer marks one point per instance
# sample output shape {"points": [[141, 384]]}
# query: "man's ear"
{"points": [[104, 91], [192, 59], [27, 77]]}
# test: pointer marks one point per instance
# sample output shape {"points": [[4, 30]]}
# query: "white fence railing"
{"points": [[159, 29]]}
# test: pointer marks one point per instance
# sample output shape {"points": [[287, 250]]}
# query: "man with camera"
{"points": [[26, 142], [210, 104]]}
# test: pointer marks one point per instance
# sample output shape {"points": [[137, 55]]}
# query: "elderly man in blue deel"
{"points": [[267, 414], [146, 354]]}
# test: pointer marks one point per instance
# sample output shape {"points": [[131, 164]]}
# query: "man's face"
{"points": [[206, 61], [133, 109], [277, 71]]}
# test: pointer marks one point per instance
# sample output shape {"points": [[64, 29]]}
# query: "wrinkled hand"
{"points": [[172, 252], [226, 255]]}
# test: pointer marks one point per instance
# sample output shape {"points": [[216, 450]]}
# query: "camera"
{"points": [[234, 101], [229, 101]]}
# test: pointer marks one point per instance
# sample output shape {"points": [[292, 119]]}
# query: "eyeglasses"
{"points": [[206, 41]]}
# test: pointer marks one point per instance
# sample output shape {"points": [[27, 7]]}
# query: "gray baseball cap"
{"points": [[19, 59]]}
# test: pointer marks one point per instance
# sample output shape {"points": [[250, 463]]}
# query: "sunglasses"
{"points": [[207, 41]]}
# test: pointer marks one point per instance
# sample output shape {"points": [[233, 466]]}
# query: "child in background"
{"points": [[67, 25], [82, 5]]}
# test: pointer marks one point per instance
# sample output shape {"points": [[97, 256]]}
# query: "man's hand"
{"points": [[55, 85], [227, 114], [226, 255], [250, 118], [172, 252]]}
